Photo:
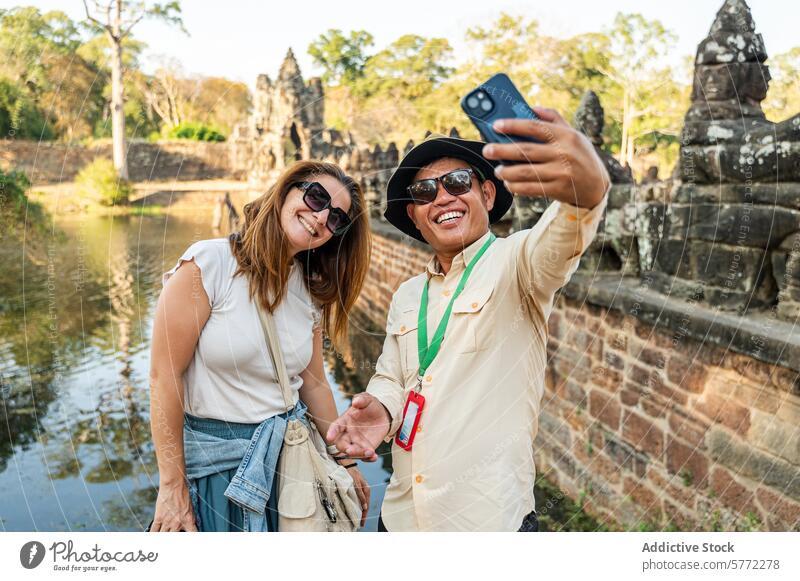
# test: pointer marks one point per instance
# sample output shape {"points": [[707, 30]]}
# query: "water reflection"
{"points": [[75, 320]]}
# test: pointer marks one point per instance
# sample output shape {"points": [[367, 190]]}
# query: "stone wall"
{"points": [[652, 419], [655, 428], [52, 162]]}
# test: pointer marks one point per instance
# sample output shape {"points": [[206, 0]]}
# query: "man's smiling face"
{"points": [[450, 223]]}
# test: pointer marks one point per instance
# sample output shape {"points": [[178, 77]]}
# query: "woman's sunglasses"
{"points": [[318, 199], [456, 182]]}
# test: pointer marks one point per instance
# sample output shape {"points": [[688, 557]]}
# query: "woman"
{"points": [[303, 253]]}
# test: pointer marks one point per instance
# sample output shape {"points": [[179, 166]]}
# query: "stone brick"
{"points": [[617, 340], [603, 466], [553, 324], [776, 436], [613, 359], [573, 392], [555, 428], [613, 320], [652, 381], [578, 420], [690, 428], [586, 343], [595, 325], [689, 375], [652, 357], [731, 493], [605, 408], [629, 397], [673, 485], [731, 385], [643, 329], [724, 411], [686, 461], [786, 512], [751, 462], [752, 369], [680, 519], [625, 456], [787, 380], [574, 368], [642, 434], [654, 408], [643, 496], [609, 379], [671, 396]]}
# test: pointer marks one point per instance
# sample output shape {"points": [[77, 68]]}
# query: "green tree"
{"points": [[637, 48], [20, 118], [38, 56], [342, 58], [120, 16], [409, 68], [783, 97]]}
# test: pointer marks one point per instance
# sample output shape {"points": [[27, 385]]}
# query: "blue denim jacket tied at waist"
{"points": [[253, 448]]}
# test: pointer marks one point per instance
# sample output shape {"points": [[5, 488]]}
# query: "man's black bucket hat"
{"points": [[433, 148]]}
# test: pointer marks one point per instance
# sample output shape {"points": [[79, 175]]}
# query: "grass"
{"points": [[557, 512]]}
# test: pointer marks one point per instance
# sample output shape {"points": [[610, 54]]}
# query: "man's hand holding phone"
{"points": [[563, 166]]}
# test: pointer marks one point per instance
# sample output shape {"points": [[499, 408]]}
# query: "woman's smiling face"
{"points": [[304, 229]]}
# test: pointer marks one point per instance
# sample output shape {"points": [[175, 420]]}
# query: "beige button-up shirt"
{"points": [[471, 466]]}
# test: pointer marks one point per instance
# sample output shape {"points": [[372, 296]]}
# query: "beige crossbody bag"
{"points": [[315, 493]]}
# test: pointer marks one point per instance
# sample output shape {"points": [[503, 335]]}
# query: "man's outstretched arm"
{"points": [[566, 169], [374, 415]]}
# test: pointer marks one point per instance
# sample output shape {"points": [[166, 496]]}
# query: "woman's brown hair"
{"points": [[334, 273]]}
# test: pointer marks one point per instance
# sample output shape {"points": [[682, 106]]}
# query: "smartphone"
{"points": [[497, 98]]}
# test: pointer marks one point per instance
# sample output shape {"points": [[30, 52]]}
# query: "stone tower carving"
{"points": [[288, 118], [727, 235], [590, 120]]}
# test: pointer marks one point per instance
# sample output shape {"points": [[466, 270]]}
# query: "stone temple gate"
{"points": [[673, 385]]}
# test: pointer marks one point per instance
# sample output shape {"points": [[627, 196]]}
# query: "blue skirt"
{"points": [[213, 512]]}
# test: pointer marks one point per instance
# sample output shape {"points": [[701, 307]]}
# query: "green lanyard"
{"points": [[427, 353]]}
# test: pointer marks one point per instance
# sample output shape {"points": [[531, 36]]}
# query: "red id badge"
{"points": [[411, 414]]}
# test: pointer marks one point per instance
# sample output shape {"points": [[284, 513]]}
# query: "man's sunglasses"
{"points": [[456, 182], [318, 199]]}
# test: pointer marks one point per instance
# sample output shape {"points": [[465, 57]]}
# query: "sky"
{"points": [[240, 39]]}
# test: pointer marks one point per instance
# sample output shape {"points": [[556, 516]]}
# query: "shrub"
{"points": [[13, 186], [19, 116], [99, 182], [196, 132]]}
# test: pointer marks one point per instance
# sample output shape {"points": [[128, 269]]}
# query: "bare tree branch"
{"points": [[93, 19], [127, 31]]}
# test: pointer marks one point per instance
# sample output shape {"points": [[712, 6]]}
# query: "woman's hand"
{"points": [[173, 509], [362, 490]]}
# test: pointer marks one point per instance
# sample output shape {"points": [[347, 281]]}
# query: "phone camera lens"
{"points": [[472, 103], [486, 105]]}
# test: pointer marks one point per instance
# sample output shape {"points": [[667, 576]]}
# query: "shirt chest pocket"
{"points": [[404, 328], [467, 331], [472, 318]]}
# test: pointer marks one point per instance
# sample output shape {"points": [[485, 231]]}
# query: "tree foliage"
{"points": [[412, 85], [783, 97], [342, 58], [55, 81]]}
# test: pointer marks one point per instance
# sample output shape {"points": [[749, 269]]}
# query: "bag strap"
{"points": [[275, 353]]}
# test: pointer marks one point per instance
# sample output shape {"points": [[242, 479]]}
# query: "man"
{"points": [[482, 306]]}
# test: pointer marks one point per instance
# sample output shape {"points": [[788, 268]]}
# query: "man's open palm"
{"points": [[360, 430]]}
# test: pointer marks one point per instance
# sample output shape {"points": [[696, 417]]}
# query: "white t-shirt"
{"points": [[231, 376]]}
